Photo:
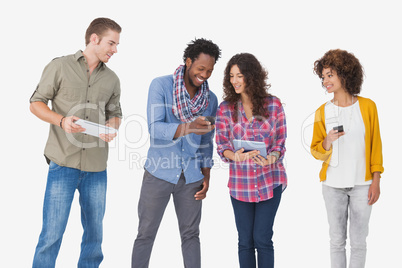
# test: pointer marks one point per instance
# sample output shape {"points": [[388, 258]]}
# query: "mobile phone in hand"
{"points": [[210, 119], [339, 128]]}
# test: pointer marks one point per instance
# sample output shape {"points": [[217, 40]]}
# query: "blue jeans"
{"points": [[61, 185], [254, 222]]}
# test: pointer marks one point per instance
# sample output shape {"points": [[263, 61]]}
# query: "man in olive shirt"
{"points": [[80, 86]]}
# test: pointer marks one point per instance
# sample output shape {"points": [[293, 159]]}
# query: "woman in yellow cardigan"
{"points": [[347, 139]]}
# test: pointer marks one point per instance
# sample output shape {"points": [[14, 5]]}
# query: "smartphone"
{"points": [[210, 119], [339, 128]]}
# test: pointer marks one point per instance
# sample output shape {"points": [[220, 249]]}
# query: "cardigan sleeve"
{"points": [[319, 134], [376, 159]]}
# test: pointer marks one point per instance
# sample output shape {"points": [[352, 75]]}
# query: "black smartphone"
{"points": [[210, 119], [339, 128]]}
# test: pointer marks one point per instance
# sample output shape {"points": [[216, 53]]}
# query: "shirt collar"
{"points": [[78, 55]]}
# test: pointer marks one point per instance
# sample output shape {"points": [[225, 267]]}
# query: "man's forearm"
{"points": [[206, 171], [43, 112], [182, 130]]}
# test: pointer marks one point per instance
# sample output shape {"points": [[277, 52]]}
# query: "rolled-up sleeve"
{"points": [[281, 132], [49, 83], [113, 107]]}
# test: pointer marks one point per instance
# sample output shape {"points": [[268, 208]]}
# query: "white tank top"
{"points": [[347, 167]]}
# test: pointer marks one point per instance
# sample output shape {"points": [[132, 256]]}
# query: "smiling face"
{"points": [[237, 80], [331, 81], [106, 46], [199, 71]]}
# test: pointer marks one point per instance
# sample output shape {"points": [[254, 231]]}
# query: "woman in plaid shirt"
{"points": [[249, 112]]}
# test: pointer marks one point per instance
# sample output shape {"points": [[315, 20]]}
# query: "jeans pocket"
{"points": [[53, 166]]}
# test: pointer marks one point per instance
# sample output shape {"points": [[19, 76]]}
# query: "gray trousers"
{"points": [[154, 197], [341, 204]]}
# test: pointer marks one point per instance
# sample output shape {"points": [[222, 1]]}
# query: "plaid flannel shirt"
{"points": [[248, 181]]}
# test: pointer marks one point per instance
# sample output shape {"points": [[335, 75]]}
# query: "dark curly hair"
{"points": [[255, 77], [347, 67], [198, 46]]}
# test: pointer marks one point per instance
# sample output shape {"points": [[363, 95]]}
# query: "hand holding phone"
{"points": [[339, 128], [210, 119]]}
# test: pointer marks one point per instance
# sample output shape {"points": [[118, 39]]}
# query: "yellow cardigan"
{"points": [[372, 139]]}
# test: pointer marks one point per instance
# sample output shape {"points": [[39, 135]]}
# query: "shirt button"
{"points": [[183, 150], [255, 170], [89, 85]]}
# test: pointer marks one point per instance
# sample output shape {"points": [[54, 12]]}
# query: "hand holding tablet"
{"points": [[250, 146], [95, 129]]}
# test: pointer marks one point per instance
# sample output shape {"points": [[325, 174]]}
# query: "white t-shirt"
{"points": [[347, 167]]}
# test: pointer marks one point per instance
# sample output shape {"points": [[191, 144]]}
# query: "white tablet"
{"points": [[250, 146], [95, 129]]}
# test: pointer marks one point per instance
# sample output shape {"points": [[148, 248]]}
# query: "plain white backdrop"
{"points": [[286, 36]]}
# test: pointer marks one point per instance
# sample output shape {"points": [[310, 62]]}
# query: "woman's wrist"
{"points": [[276, 154], [229, 154]]}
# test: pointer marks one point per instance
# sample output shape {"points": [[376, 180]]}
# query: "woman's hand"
{"points": [[332, 136], [262, 161], [374, 190], [240, 156]]}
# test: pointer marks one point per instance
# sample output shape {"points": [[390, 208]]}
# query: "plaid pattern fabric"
{"points": [[184, 108], [248, 181]]}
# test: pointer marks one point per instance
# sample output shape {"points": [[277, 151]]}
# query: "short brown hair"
{"points": [[99, 26], [347, 67]]}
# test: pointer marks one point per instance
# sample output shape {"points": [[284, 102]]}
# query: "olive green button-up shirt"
{"points": [[67, 83]]}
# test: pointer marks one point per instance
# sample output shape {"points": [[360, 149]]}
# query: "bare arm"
{"points": [[43, 112]]}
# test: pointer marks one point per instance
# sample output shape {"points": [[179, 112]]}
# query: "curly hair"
{"points": [[347, 67], [198, 46], [99, 26], [256, 88]]}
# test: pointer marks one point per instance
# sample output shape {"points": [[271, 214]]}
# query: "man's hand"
{"points": [[205, 185], [107, 137], [69, 126], [199, 126], [113, 122]]}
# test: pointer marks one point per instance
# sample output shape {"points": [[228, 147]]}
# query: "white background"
{"points": [[286, 36]]}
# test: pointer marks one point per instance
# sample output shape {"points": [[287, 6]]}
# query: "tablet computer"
{"points": [[94, 129], [250, 146]]}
